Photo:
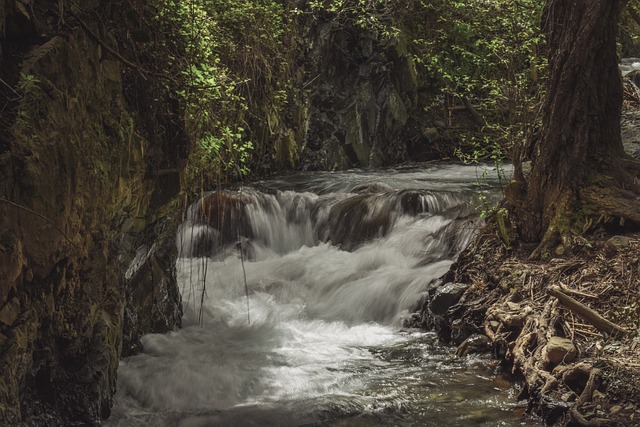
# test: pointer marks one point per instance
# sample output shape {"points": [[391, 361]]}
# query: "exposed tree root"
{"points": [[614, 201], [618, 202], [524, 319]]}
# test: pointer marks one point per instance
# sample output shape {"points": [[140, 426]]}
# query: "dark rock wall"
{"points": [[75, 211], [362, 92]]}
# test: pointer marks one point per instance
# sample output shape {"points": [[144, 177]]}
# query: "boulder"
{"points": [[225, 212], [445, 297], [358, 219], [152, 300]]}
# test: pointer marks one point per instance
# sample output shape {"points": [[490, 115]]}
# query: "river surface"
{"points": [[332, 263]]}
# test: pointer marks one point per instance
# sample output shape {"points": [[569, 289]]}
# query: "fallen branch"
{"points": [[576, 292], [587, 313]]}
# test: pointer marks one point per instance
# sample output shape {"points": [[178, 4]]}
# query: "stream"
{"points": [[332, 264]]}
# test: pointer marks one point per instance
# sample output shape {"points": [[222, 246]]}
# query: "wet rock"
{"points": [[206, 243], [560, 350], [225, 212], [460, 331], [552, 409], [153, 303], [413, 202], [356, 220], [376, 187], [445, 297], [476, 343]]}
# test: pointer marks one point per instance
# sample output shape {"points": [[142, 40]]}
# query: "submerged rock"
{"points": [[358, 219]]}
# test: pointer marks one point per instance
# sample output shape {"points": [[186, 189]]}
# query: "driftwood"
{"points": [[587, 313]]}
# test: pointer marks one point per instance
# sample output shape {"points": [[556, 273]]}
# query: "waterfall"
{"points": [[332, 264]]}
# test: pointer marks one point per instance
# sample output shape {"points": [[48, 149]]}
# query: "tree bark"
{"points": [[580, 144]]}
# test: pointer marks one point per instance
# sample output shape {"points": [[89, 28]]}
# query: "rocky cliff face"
{"points": [[75, 212], [365, 100]]}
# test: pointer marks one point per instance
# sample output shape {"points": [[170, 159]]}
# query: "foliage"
{"points": [[629, 31], [28, 83], [260, 41], [488, 52], [232, 68], [223, 54], [226, 151], [370, 15]]}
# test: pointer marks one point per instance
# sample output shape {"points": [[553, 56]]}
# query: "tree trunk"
{"points": [[579, 157]]}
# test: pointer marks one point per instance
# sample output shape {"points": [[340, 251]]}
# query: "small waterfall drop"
{"points": [[333, 264]]}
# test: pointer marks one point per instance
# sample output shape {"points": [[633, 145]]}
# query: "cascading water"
{"points": [[331, 264]]}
